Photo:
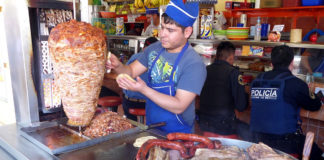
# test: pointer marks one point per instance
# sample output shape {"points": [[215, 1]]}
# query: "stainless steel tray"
{"points": [[56, 138], [114, 149], [243, 145]]}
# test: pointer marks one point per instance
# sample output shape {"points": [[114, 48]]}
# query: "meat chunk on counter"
{"points": [[106, 123]]}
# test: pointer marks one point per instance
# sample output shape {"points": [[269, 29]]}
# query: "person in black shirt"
{"points": [[223, 92], [313, 59], [277, 97]]}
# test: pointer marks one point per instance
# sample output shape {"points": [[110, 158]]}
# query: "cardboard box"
{"points": [[270, 4], [249, 50]]}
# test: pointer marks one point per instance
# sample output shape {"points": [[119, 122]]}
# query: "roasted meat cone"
{"points": [[78, 54]]}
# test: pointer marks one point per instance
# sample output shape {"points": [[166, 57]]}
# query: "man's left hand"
{"points": [[127, 84]]}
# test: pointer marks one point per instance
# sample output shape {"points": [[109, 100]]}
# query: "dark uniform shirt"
{"points": [[296, 91], [231, 84], [223, 92]]}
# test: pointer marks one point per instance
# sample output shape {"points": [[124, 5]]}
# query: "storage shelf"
{"points": [[305, 45], [236, 42], [120, 2], [250, 71], [293, 13], [253, 57], [122, 50], [283, 8]]}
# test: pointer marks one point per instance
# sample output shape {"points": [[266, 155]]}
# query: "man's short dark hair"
{"points": [[224, 50], [167, 20], [282, 56]]}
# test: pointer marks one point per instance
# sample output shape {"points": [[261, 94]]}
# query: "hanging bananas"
{"points": [[152, 3], [146, 3], [155, 3], [140, 4], [135, 4]]}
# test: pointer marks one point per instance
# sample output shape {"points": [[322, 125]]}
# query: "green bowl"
{"points": [[219, 32], [237, 33]]}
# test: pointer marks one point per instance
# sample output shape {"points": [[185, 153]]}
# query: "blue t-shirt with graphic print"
{"points": [[190, 73]]}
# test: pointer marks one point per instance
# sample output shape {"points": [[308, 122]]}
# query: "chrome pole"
{"points": [[74, 10]]}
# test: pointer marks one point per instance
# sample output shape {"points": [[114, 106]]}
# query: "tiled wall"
{"points": [[317, 127]]}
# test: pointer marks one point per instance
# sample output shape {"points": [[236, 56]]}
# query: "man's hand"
{"points": [[114, 62], [320, 96], [126, 83]]}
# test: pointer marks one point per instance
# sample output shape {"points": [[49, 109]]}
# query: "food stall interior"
{"points": [[48, 138]]}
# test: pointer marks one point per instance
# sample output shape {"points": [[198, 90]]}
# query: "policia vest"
{"points": [[270, 113], [216, 96]]}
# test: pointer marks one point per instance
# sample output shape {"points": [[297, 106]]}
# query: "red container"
{"points": [[228, 5], [291, 3]]}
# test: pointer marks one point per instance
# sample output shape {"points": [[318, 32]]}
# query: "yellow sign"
{"points": [[155, 33], [252, 50]]}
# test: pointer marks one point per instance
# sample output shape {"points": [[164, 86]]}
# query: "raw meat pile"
{"points": [[195, 147], [264, 152], [106, 123], [78, 54]]}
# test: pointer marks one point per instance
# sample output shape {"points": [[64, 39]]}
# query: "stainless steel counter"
{"points": [[16, 146], [5, 155], [19, 147]]}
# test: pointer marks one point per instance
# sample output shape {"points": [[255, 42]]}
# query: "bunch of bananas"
{"points": [[151, 3], [138, 4], [163, 2]]}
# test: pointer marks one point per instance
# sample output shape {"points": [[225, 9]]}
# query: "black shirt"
{"points": [[223, 90], [296, 91]]}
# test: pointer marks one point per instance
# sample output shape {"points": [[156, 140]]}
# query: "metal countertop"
{"points": [[15, 146], [19, 147]]}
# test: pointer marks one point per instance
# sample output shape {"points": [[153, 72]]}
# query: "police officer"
{"points": [[223, 92], [277, 97], [313, 59], [135, 99]]}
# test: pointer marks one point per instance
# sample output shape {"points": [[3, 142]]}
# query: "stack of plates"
{"points": [[237, 33], [220, 34]]}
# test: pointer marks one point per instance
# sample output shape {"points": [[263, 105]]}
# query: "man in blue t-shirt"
{"points": [[135, 99], [176, 72]]}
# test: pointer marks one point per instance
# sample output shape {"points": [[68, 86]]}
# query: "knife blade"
{"points": [[140, 125], [146, 127]]}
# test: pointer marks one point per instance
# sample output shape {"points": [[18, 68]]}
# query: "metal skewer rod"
{"points": [[74, 10], [80, 133]]}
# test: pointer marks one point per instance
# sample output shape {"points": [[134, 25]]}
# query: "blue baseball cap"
{"points": [[184, 14], [152, 10]]}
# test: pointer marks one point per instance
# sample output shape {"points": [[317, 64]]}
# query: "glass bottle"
{"points": [[257, 35]]}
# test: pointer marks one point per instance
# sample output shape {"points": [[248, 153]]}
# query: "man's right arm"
{"points": [[307, 99], [134, 69], [238, 91]]}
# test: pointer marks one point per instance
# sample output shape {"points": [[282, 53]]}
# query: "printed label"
{"points": [[264, 93]]}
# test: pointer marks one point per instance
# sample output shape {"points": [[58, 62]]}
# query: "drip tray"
{"points": [[55, 137]]}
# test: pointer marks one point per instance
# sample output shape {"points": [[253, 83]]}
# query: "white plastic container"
{"points": [[257, 3]]}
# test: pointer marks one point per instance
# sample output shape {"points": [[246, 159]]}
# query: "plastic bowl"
{"points": [[104, 14], [237, 33], [219, 32]]}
